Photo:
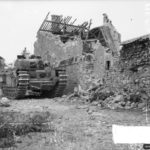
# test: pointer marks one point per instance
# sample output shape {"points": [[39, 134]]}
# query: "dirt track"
{"points": [[77, 126]]}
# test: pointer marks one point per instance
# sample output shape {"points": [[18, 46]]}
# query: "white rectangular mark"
{"points": [[130, 134]]}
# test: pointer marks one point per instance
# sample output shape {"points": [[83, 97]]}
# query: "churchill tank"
{"points": [[31, 77]]}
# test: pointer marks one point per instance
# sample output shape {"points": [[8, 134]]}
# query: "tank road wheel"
{"points": [[23, 83], [19, 91], [61, 84]]}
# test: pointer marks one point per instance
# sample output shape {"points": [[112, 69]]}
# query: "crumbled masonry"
{"points": [[129, 78]]}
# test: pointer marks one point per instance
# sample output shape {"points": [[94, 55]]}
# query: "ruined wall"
{"points": [[52, 49], [73, 72], [82, 70], [135, 58], [111, 34], [131, 73], [93, 66], [136, 54]]}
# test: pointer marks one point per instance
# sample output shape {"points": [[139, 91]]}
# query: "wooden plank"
{"points": [[45, 25], [44, 21], [68, 19], [73, 22]]}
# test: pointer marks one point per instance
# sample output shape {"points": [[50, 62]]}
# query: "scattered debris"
{"points": [[4, 102]]}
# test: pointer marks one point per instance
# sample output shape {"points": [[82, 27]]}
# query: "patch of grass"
{"points": [[37, 122]]}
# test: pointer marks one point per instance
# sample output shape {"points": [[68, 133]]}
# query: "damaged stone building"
{"points": [[86, 53]]}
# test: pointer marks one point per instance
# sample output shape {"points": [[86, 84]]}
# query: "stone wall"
{"points": [[93, 66], [111, 34], [136, 54], [73, 81], [52, 49], [131, 73]]}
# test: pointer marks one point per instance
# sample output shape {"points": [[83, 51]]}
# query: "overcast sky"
{"points": [[20, 21]]}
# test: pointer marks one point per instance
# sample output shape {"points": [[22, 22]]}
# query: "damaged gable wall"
{"points": [[52, 49]]}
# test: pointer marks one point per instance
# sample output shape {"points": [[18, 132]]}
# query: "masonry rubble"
{"points": [[129, 80]]}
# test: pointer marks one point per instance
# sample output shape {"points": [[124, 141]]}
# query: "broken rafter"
{"points": [[89, 25], [73, 22], [71, 28], [45, 25], [66, 21], [44, 21]]}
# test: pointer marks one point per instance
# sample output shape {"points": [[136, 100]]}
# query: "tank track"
{"points": [[20, 90], [61, 84]]}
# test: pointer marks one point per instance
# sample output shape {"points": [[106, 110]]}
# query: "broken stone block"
{"points": [[109, 99], [4, 102], [95, 103], [120, 106], [114, 106], [99, 105], [133, 105], [118, 98], [141, 105], [128, 103], [64, 96], [127, 107], [122, 103]]}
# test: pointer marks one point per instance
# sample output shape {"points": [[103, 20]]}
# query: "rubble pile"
{"points": [[127, 84], [109, 99], [117, 90]]}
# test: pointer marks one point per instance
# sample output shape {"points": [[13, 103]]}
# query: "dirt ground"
{"points": [[77, 126]]}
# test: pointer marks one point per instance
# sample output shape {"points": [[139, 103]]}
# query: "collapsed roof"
{"points": [[63, 26]]}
